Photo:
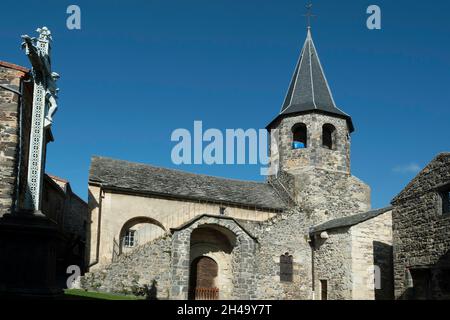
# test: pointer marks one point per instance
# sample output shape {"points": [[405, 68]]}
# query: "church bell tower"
{"points": [[312, 130], [312, 136]]}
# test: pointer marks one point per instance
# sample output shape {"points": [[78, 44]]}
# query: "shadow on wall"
{"points": [[428, 282], [149, 292], [383, 258]]}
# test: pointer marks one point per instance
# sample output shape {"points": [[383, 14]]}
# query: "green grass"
{"points": [[90, 295]]}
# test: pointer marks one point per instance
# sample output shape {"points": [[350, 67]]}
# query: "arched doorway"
{"points": [[210, 275], [203, 274], [138, 231], [232, 248]]}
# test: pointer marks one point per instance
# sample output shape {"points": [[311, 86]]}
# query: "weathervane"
{"points": [[309, 14]]}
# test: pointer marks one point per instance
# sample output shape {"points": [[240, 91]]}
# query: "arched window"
{"points": [[300, 136], [328, 136]]}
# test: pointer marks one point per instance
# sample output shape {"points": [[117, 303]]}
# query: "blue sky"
{"points": [[137, 70]]}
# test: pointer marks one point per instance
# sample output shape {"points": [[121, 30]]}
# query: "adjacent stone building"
{"points": [[16, 95], [353, 255], [421, 229], [70, 213], [306, 233]]}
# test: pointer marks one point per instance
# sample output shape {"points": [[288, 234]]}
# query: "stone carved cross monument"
{"points": [[45, 93]]}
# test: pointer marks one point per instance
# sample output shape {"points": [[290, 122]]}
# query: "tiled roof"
{"points": [[143, 178], [349, 221]]}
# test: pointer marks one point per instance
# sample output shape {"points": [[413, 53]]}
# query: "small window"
{"points": [[222, 211], [445, 200], [324, 289], [130, 239], [300, 136], [328, 136], [286, 268]]}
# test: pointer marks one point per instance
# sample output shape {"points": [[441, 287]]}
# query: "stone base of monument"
{"points": [[28, 247]]}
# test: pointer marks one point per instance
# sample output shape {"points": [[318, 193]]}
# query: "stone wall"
{"points": [[328, 195], [10, 76], [314, 155], [287, 232], [333, 263], [422, 232], [53, 201], [372, 246], [76, 216], [149, 264]]}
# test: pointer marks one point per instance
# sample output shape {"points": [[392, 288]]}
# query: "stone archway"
{"points": [[235, 254], [146, 229], [217, 243]]}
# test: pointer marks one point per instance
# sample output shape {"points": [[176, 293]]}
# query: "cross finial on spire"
{"points": [[309, 14]]}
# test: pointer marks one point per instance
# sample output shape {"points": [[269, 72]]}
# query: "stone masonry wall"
{"points": [[372, 245], [421, 232], [333, 263], [287, 232], [76, 216], [146, 264], [9, 136], [314, 155], [330, 195]]}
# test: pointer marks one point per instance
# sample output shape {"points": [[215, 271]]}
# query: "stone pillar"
{"points": [[180, 265]]}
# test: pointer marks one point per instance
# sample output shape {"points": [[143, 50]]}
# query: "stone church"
{"points": [[308, 232]]}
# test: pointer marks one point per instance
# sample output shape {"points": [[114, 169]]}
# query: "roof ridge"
{"points": [[350, 220], [57, 178], [14, 66], [412, 182]]}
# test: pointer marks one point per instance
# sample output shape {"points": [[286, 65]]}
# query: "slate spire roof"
{"points": [[309, 89]]}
